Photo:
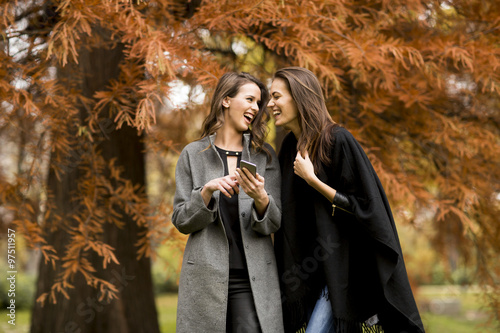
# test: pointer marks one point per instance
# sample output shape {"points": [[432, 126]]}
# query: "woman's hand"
{"points": [[227, 185], [254, 187], [304, 168]]}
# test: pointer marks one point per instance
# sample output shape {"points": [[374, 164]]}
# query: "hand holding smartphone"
{"points": [[249, 166]]}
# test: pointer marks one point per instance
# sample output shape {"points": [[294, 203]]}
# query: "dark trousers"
{"points": [[241, 313]]}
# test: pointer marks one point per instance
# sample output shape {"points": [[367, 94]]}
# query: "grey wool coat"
{"points": [[203, 286]]}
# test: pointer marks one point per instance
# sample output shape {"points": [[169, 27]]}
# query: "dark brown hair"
{"points": [[315, 122], [228, 86]]}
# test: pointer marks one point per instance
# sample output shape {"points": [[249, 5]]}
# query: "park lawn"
{"points": [[445, 324], [471, 319], [23, 319], [167, 305], [433, 323], [470, 297]]}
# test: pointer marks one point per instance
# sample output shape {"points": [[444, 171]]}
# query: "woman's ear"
{"points": [[226, 102]]}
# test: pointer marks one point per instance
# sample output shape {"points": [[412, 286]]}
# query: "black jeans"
{"points": [[241, 313]]}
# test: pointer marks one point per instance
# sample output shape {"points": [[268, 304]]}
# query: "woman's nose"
{"points": [[255, 106], [270, 104]]}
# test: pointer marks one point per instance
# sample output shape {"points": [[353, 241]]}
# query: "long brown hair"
{"points": [[315, 122], [229, 86]]}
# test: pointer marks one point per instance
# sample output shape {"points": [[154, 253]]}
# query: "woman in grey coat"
{"points": [[229, 280]]}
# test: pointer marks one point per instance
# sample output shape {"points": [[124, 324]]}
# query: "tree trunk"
{"points": [[134, 310]]}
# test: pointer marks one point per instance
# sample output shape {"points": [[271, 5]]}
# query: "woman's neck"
{"points": [[296, 132], [294, 127], [229, 139]]}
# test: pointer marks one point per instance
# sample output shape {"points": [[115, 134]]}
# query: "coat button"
{"points": [[253, 278], [243, 214], [246, 246]]}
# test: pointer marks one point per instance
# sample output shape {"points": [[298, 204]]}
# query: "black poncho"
{"points": [[358, 256]]}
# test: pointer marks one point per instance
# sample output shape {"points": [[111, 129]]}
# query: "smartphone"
{"points": [[249, 166]]}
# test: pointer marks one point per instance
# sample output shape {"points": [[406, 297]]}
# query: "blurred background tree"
{"points": [[99, 96]]}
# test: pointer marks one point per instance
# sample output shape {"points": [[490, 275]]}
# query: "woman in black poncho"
{"points": [[339, 259]]}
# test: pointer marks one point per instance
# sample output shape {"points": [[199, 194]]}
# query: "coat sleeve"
{"points": [[365, 192], [271, 221], [371, 209], [190, 212]]}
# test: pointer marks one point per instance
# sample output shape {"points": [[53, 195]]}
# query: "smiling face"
{"points": [[283, 106], [242, 108]]}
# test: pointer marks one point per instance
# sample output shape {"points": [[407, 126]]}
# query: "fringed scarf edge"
{"points": [[348, 326]]}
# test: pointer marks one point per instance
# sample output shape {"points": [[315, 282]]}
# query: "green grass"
{"points": [[23, 318], [445, 324], [470, 320], [433, 323], [166, 305], [469, 296]]}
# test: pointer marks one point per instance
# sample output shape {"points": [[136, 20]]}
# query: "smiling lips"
{"points": [[249, 117]]}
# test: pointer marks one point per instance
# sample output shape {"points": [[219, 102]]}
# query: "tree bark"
{"points": [[134, 310]]}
